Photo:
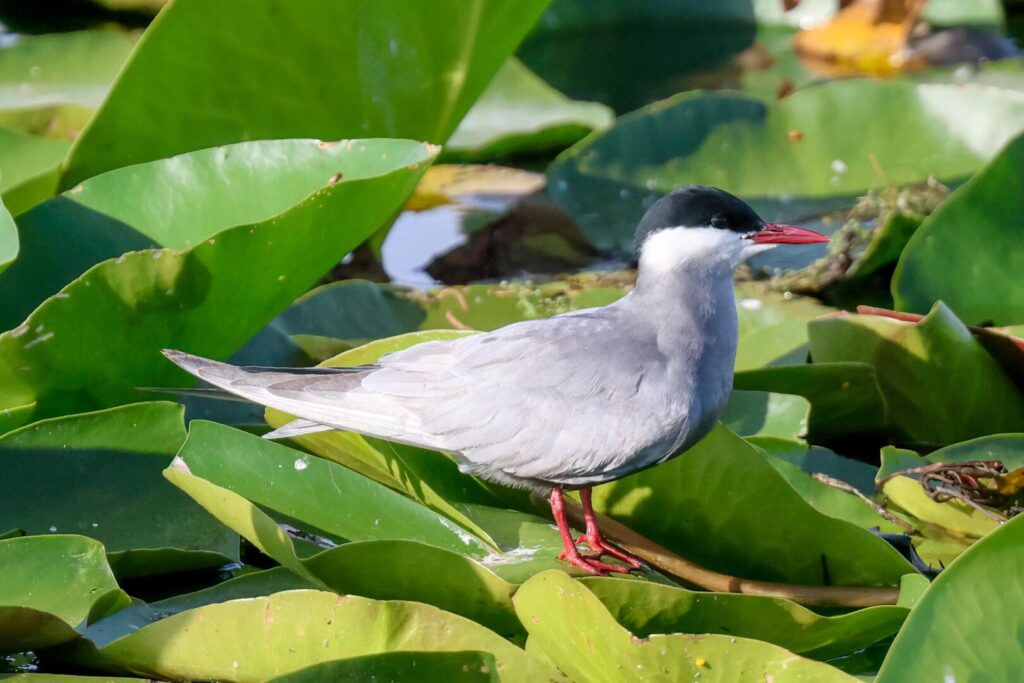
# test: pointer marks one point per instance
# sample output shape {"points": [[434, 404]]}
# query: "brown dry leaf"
{"points": [[867, 37], [455, 183]]}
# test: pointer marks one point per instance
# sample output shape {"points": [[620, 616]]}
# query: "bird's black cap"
{"points": [[698, 206]]}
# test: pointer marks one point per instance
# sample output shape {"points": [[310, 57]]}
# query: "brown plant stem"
{"points": [[668, 562]]}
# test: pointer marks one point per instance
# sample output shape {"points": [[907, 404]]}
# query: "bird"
{"points": [[560, 403]]}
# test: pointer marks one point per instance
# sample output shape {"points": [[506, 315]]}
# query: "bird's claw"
{"points": [[592, 562], [592, 565]]}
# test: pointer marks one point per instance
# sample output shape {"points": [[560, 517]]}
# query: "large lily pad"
{"points": [[571, 626], [182, 201], [389, 75], [49, 586], [723, 506], [940, 384], [521, 114], [789, 157], [967, 625], [967, 249], [319, 494], [374, 569], [99, 475], [94, 342], [258, 638], [645, 608]]}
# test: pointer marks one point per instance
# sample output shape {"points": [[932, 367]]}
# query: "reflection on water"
{"points": [[416, 239]]}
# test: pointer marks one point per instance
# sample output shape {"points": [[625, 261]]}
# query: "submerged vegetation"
{"points": [[239, 179]]}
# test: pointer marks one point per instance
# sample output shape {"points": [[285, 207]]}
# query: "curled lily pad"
{"points": [[645, 608], [258, 638], [51, 585], [376, 569], [323, 496], [939, 383]]}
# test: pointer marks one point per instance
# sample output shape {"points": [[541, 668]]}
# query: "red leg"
{"points": [[594, 539], [571, 552]]}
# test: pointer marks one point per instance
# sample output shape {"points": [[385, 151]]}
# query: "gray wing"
{"points": [[568, 399], [552, 399]]}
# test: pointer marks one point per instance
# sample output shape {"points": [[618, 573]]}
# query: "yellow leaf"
{"points": [[866, 38], [456, 183]]}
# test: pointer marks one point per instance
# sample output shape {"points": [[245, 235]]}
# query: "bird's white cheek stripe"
{"points": [[667, 250]]}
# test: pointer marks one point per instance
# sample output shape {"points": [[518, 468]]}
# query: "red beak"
{"points": [[776, 233]]}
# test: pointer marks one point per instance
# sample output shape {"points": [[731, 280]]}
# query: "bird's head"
{"points": [[706, 227]]}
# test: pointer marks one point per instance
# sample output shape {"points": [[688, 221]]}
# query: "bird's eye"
{"points": [[719, 221]]}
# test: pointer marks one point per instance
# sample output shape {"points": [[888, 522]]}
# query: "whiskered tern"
{"points": [[565, 402]]}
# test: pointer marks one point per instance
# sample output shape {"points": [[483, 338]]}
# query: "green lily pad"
{"points": [[963, 267], [569, 624], [773, 326], [259, 638], [521, 114], [602, 50], [845, 398], [388, 77], [744, 145], [29, 168], [95, 341], [50, 84], [723, 506], [758, 413], [98, 474], [321, 495], [967, 625], [815, 459], [939, 384], [831, 501], [49, 586], [183, 201], [458, 667], [646, 608], [375, 569]]}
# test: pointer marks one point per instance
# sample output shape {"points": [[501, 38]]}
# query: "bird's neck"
{"points": [[689, 298]]}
